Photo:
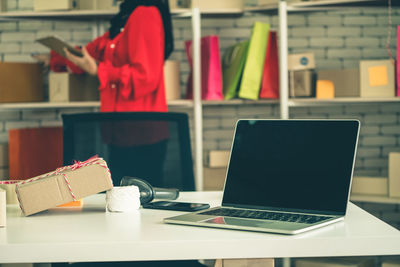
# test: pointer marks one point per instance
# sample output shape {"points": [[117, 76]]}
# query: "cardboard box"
{"points": [[21, 82], [172, 80], [244, 263], [218, 158], [3, 5], [370, 186], [97, 4], [335, 262], [3, 208], [214, 178], [4, 155], [66, 87], [304, 61], [205, 5], [175, 4], [301, 83], [394, 174], [9, 187], [346, 82], [377, 78], [274, 2], [51, 189], [50, 5]]}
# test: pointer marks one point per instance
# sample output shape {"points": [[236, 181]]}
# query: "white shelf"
{"points": [[189, 103], [305, 102], [321, 5], [374, 199], [102, 14]]}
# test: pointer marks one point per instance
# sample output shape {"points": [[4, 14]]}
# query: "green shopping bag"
{"points": [[232, 68], [253, 69]]}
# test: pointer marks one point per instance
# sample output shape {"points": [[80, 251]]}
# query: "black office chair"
{"points": [[153, 146]]}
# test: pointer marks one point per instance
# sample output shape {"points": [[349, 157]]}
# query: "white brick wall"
{"points": [[339, 39]]}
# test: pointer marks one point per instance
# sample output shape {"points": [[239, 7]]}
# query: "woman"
{"points": [[129, 58]]}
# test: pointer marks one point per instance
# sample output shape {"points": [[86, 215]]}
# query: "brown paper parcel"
{"points": [[63, 185]]}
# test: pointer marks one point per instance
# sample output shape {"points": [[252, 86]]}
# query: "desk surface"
{"points": [[91, 234]]}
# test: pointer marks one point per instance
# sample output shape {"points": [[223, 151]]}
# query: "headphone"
{"points": [[148, 192]]}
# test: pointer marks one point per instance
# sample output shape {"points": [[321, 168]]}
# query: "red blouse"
{"points": [[130, 66]]}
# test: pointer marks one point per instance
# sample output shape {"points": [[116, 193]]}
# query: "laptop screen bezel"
{"points": [[309, 211]]}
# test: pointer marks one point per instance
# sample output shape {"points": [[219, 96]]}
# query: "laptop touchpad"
{"points": [[238, 222]]}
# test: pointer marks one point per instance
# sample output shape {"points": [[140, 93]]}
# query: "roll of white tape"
{"points": [[123, 199]]}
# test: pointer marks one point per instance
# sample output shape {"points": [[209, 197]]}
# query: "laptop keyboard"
{"points": [[266, 215]]}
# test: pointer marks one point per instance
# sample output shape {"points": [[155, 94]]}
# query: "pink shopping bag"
{"points": [[211, 73]]}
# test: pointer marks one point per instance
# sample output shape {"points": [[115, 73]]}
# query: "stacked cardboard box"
{"points": [[215, 172], [50, 5], [67, 87], [172, 80], [21, 82], [301, 75]]}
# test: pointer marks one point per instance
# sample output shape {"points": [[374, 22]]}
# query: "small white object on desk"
{"points": [[123, 199]]}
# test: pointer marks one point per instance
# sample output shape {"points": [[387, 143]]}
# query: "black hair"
{"points": [[128, 6]]}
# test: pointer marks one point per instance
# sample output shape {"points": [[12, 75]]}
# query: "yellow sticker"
{"points": [[325, 89], [378, 76]]}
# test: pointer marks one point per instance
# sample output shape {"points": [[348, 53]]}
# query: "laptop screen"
{"points": [[298, 165]]}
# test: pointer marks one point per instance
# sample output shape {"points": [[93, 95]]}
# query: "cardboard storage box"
{"points": [[174, 4], [370, 186], [172, 80], [377, 78], [3, 5], [304, 61], [66, 87], [301, 83], [205, 5], [214, 179], [346, 82], [9, 187], [63, 185], [218, 158], [335, 262], [98, 4], [3, 208], [394, 174], [21, 82], [48, 5], [271, 2]]}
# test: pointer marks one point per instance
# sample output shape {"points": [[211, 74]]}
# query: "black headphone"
{"points": [[148, 192]]}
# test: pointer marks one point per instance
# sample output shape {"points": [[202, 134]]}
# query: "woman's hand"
{"points": [[42, 58], [87, 62]]}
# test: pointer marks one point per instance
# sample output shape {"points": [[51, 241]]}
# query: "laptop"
{"points": [[284, 176]]}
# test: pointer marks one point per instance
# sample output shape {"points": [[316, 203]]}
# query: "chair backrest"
{"points": [[154, 146]]}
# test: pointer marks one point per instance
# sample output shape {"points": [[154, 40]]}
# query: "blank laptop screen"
{"points": [[292, 164]]}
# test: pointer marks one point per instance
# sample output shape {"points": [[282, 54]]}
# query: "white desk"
{"points": [[91, 234]]}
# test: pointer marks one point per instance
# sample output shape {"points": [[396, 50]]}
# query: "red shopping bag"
{"points": [[270, 79], [211, 73]]}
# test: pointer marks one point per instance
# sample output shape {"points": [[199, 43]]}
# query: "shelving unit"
{"points": [[195, 14]]}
